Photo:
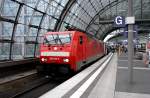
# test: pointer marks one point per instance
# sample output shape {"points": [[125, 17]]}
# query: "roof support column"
{"points": [[130, 42]]}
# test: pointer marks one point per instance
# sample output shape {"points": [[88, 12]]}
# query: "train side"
{"points": [[87, 49], [79, 51]]}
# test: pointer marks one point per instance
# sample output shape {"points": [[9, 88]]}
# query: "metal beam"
{"points": [[63, 14], [93, 6], [6, 41], [6, 20], [143, 29], [39, 29], [14, 30], [109, 31], [138, 21], [107, 6]]}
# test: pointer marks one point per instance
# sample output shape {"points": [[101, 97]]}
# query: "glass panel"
{"points": [[108, 14], [36, 18], [29, 50], [63, 2], [105, 2], [122, 9], [46, 22], [42, 5], [52, 23], [6, 29], [31, 3], [113, 11], [4, 51], [96, 4], [137, 8], [25, 15], [75, 8], [10, 9], [21, 29], [42, 32], [31, 35], [146, 9], [37, 53], [17, 51], [40, 39], [90, 9], [32, 32], [54, 10], [25, 33], [58, 11]]}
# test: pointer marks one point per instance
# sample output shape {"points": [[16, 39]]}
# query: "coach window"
{"points": [[81, 39]]}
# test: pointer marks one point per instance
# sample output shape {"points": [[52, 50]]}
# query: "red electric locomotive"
{"points": [[74, 49]]}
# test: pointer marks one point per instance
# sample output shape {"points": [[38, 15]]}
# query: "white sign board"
{"points": [[130, 20]]}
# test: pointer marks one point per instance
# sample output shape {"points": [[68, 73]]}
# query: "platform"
{"points": [[83, 83], [140, 88], [112, 82]]}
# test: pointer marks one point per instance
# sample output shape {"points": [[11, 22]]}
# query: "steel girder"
{"points": [[70, 4], [39, 28], [137, 21], [14, 30], [110, 5], [63, 14]]}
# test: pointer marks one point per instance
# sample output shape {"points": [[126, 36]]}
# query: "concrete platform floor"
{"points": [[140, 88]]}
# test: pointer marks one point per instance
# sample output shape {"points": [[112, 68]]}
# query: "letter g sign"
{"points": [[118, 20]]}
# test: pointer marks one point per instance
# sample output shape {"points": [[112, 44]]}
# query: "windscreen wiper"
{"points": [[59, 39], [54, 39]]}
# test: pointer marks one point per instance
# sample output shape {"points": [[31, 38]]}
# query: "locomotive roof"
{"points": [[66, 32], [60, 32]]}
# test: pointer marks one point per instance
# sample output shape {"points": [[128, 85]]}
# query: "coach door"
{"points": [[83, 51]]}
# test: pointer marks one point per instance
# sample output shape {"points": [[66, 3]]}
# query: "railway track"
{"points": [[33, 85], [25, 85], [14, 77], [29, 84]]}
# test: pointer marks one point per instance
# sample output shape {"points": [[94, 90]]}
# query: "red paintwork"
{"points": [[78, 52]]}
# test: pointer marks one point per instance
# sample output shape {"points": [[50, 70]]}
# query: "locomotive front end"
{"points": [[56, 49]]}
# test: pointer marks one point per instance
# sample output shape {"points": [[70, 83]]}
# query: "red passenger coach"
{"points": [[73, 49]]}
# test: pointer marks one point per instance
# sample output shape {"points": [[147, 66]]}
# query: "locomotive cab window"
{"points": [[57, 39], [81, 39]]}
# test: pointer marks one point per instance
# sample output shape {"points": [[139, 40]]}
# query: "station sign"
{"points": [[130, 20], [119, 21]]}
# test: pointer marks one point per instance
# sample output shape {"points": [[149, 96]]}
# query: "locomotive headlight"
{"points": [[66, 60], [43, 59]]}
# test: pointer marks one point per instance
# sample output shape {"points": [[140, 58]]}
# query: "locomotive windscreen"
{"points": [[52, 39]]}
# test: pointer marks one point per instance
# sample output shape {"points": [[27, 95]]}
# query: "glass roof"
{"points": [[85, 14], [23, 22]]}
